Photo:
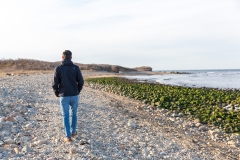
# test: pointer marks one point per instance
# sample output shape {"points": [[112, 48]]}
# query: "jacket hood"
{"points": [[67, 62]]}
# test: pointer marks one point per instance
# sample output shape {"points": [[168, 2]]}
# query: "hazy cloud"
{"points": [[163, 34]]}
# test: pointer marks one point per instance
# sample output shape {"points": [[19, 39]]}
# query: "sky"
{"points": [[163, 34]]}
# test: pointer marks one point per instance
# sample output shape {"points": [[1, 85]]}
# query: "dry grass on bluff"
{"points": [[28, 66]]}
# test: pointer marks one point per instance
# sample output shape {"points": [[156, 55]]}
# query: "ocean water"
{"points": [[224, 79]]}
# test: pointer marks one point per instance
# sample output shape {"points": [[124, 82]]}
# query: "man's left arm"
{"points": [[55, 83]]}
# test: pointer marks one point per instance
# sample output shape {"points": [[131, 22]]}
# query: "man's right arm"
{"points": [[80, 80], [56, 81]]}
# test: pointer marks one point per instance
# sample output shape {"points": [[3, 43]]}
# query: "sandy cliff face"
{"points": [[28, 64]]}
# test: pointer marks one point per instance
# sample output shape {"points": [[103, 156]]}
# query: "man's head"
{"points": [[67, 55]]}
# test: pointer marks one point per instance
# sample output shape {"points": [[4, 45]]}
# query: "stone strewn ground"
{"points": [[110, 127]]}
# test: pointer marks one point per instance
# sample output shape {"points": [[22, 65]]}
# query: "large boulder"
{"points": [[143, 68]]}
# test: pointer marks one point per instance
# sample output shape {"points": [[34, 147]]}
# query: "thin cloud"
{"points": [[128, 33]]}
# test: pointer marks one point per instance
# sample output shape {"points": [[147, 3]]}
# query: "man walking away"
{"points": [[67, 84]]}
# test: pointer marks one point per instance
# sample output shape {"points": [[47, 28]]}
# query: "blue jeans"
{"points": [[72, 103]]}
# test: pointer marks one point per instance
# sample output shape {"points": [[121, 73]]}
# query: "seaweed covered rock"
{"points": [[204, 105]]}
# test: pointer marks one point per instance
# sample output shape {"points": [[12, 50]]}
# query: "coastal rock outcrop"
{"points": [[143, 68]]}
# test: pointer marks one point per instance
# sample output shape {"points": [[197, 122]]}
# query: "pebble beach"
{"points": [[109, 127]]}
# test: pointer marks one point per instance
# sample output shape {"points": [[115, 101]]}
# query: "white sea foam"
{"points": [[226, 79]]}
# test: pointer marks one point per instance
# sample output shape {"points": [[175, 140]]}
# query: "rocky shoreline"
{"points": [[110, 127]]}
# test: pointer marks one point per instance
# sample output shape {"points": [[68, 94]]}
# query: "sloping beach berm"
{"points": [[110, 127]]}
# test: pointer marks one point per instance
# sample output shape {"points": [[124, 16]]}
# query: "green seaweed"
{"points": [[205, 104]]}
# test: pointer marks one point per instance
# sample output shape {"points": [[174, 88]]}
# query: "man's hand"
{"points": [[56, 94], [79, 89]]}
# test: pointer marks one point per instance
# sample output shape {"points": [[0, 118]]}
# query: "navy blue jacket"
{"points": [[68, 79]]}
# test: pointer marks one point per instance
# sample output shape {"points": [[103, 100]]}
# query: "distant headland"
{"points": [[8, 66]]}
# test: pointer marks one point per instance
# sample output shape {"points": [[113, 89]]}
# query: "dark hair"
{"points": [[67, 54]]}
